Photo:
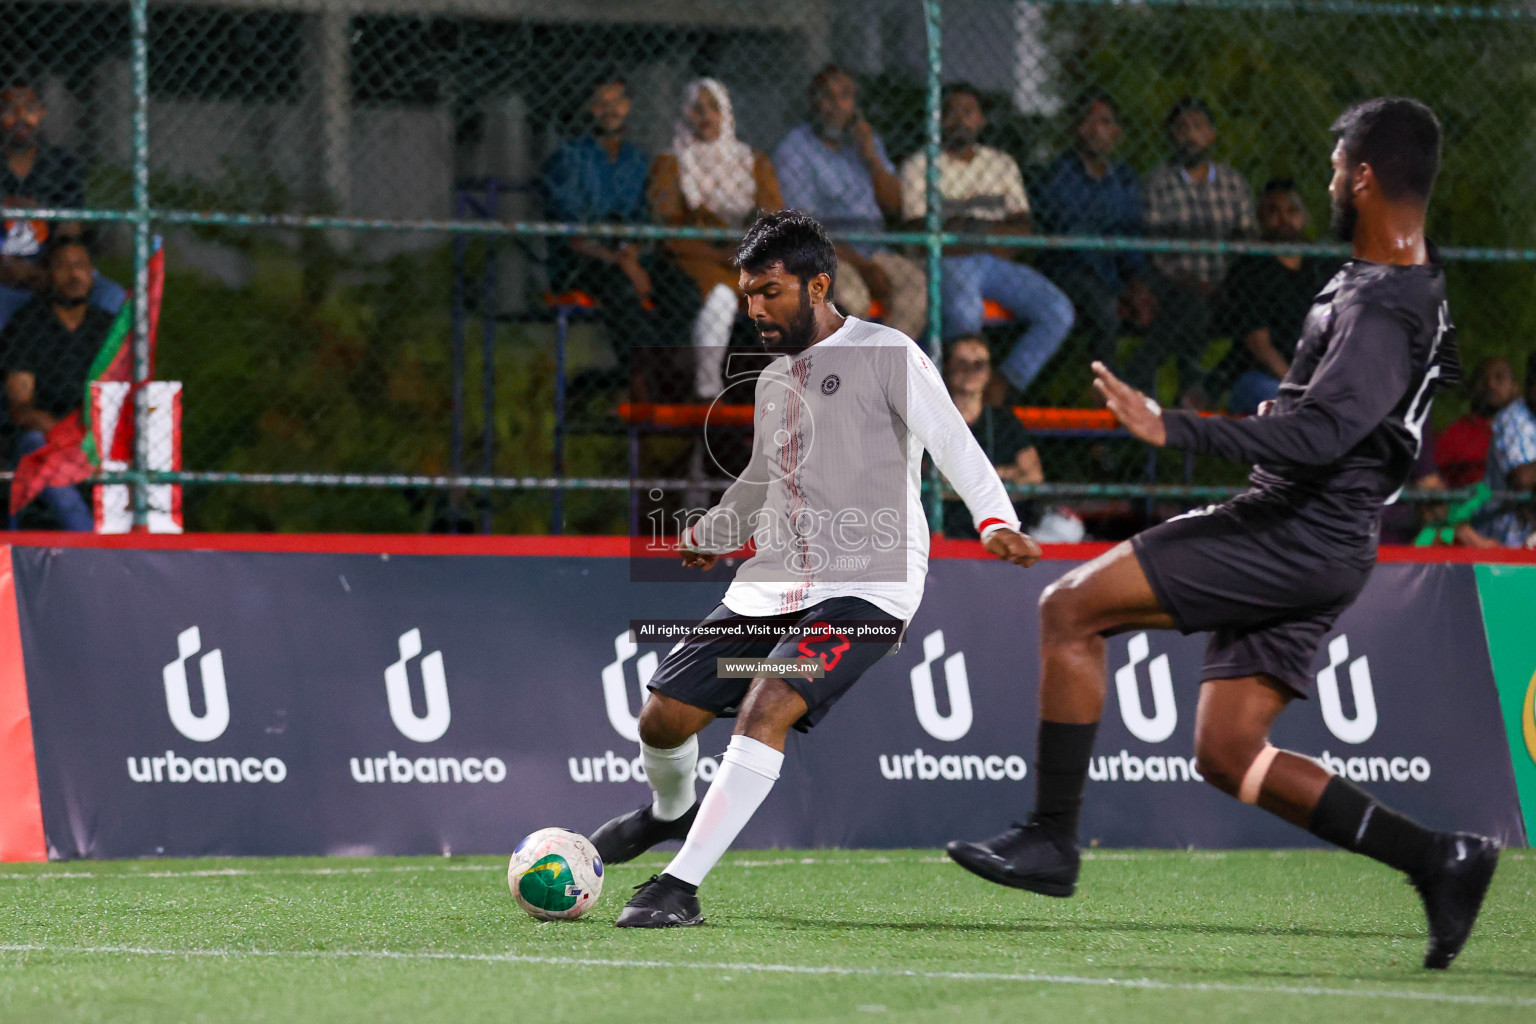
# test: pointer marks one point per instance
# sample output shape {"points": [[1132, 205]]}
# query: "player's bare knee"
{"points": [[663, 726], [1061, 613], [1224, 759]]}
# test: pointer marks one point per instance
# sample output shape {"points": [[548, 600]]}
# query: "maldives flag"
{"points": [[70, 455]]}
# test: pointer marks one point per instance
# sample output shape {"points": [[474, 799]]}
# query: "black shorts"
{"points": [[688, 673], [1258, 580]]}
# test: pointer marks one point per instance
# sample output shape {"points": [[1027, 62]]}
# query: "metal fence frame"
{"points": [[143, 217]]}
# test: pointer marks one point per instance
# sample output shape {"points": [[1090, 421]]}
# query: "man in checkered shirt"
{"points": [[1189, 197], [1512, 467]]}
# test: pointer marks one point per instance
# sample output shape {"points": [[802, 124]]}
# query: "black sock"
{"points": [[1347, 816], [1061, 771], [678, 883]]}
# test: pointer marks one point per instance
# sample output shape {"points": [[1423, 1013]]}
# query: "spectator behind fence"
{"points": [[835, 168], [48, 348], [984, 193], [1190, 197], [1461, 451], [1512, 467], [711, 179], [967, 372], [35, 174], [600, 178], [1264, 300], [1087, 193]]}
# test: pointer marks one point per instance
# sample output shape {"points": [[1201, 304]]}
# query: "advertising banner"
{"points": [[188, 703], [1508, 594]]}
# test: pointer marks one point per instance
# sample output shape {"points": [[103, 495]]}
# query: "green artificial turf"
{"points": [[828, 935]]}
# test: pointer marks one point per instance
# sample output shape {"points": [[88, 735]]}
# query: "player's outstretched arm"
{"points": [[931, 415], [1363, 375]]}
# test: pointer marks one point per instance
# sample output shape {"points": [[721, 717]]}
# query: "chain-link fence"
{"points": [[462, 265]]}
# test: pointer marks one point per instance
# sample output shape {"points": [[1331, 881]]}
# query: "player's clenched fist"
{"points": [[698, 559], [1136, 412], [1010, 546]]}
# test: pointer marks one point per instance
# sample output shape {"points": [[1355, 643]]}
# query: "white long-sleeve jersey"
{"points": [[832, 494]]}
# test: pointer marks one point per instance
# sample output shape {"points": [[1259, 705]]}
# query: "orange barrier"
{"points": [[581, 300], [649, 414], [991, 312]]}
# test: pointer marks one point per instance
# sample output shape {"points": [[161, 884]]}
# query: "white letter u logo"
{"points": [[1363, 726], [434, 685], [210, 725], [615, 700], [1165, 712], [957, 723]]}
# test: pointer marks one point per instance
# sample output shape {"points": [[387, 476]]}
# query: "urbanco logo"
{"points": [[615, 699], [204, 728], [957, 723], [1363, 726], [434, 684], [210, 725], [1165, 712]]}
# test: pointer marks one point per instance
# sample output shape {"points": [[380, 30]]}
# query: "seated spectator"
{"points": [[49, 347], [1512, 467], [1190, 197], [600, 178], [967, 371], [36, 175], [1461, 451], [1265, 299], [836, 169], [984, 192], [1085, 192], [711, 179]]}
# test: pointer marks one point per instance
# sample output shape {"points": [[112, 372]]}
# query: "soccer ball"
{"points": [[555, 874]]}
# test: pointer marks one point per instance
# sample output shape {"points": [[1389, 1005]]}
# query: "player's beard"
{"points": [[1344, 214], [795, 336]]}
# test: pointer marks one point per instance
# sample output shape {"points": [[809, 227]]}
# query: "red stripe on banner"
{"points": [[21, 809], [591, 547]]}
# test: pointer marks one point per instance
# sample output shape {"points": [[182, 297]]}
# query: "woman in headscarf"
{"points": [[711, 179]]}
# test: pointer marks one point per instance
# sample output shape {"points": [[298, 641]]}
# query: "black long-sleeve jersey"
{"points": [[1342, 438]]}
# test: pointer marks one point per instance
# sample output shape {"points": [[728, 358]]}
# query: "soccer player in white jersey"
{"points": [[831, 498]]}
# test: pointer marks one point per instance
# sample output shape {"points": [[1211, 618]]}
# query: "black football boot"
{"points": [[1024, 857], [629, 835], [661, 902]]}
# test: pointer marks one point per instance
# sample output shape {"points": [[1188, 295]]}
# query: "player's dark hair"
{"points": [[17, 79], [827, 71], [1085, 100], [1480, 400], [790, 237], [609, 76], [963, 89], [1185, 105], [1399, 138], [58, 242], [1278, 185], [1530, 375]]}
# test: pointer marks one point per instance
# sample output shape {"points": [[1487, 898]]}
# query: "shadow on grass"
{"points": [[1043, 927]]}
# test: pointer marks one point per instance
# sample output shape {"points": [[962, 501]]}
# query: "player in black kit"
{"points": [[1267, 573]]}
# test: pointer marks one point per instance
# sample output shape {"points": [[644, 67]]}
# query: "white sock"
{"points": [[747, 772], [670, 773], [711, 335]]}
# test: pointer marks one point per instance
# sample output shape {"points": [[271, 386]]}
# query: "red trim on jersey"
{"points": [[994, 521]]}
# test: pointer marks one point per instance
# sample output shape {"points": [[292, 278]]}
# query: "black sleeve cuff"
{"points": [[1183, 428]]}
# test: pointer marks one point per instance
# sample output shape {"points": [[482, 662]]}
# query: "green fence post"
{"points": [[933, 11], [140, 36]]}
